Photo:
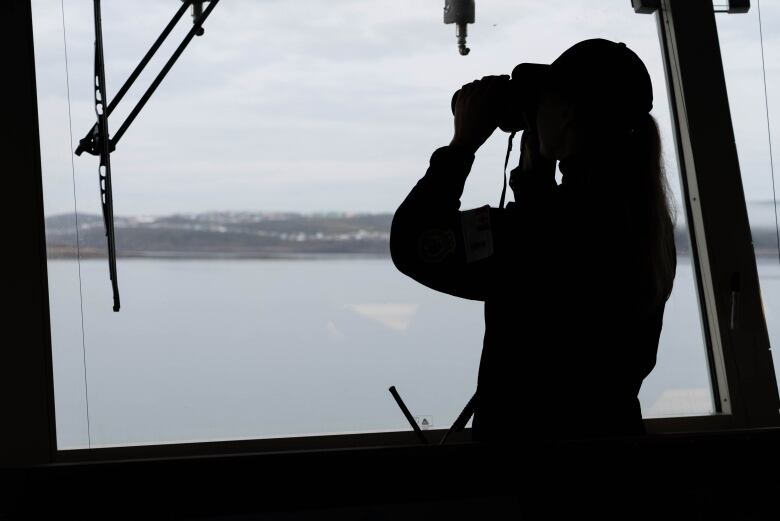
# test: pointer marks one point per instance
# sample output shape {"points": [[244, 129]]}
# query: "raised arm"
{"points": [[427, 239], [465, 253]]}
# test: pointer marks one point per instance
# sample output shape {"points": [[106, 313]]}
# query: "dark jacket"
{"points": [[569, 336]]}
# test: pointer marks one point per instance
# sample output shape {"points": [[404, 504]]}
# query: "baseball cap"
{"points": [[602, 76]]}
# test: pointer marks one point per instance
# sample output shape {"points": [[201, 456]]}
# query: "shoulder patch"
{"points": [[477, 234], [435, 244]]}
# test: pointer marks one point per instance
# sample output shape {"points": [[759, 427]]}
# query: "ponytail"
{"points": [[651, 208]]}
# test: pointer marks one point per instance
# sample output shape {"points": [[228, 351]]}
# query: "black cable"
{"points": [[76, 217], [506, 162]]}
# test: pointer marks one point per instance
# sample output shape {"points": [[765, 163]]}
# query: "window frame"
{"points": [[742, 374], [740, 360]]}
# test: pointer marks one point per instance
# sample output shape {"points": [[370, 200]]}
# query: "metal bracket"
{"points": [[738, 6], [645, 6], [651, 6]]}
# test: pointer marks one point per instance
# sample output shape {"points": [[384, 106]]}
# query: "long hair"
{"points": [[650, 207]]}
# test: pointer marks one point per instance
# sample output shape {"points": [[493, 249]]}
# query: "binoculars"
{"points": [[516, 99]]}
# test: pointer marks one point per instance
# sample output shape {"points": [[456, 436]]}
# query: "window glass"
{"points": [[753, 87], [253, 197]]}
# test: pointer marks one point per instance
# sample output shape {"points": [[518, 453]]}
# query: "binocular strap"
{"points": [[506, 162]]}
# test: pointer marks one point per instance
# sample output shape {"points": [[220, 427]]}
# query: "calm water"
{"points": [[206, 350]]}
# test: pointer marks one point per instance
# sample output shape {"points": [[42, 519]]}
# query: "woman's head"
{"points": [[590, 98]]}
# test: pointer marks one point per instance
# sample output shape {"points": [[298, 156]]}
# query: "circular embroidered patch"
{"points": [[435, 245]]}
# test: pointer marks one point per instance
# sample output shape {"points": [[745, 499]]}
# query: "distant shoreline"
{"points": [[258, 236], [90, 255], [58, 255]]}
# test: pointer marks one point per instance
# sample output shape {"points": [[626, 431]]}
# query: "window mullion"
{"points": [[741, 362]]}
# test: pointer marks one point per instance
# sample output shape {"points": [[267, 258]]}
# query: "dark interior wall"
{"points": [[707, 476], [25, 355]]}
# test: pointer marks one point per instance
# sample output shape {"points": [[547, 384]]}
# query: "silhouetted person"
{"points": [[574, 276]]}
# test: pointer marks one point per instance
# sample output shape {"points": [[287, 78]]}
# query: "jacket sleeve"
{"points": [[439, 246]]}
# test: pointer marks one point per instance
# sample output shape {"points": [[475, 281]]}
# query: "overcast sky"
{"points": [[315, 105]]}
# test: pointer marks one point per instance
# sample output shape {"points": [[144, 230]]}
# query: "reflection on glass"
{"points": [[753, 85], [253, 198]]}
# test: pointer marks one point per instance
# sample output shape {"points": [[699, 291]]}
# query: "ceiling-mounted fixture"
{"points": [[460, 13]]}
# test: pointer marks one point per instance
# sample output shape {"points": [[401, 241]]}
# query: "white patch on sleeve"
{"points": [[477, 235]]}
